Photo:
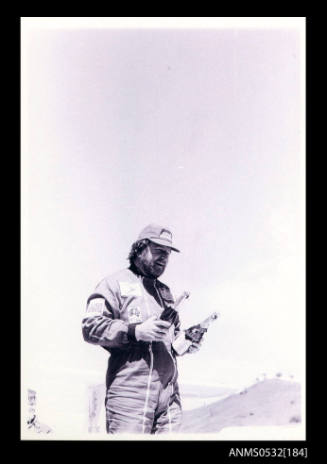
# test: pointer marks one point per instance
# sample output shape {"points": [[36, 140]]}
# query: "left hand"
{"points": [[194, 347]]}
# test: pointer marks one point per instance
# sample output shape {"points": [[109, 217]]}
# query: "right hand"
{"points": [[152, 330]]}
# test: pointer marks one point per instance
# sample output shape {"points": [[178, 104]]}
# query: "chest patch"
{"points": [[130, 289], [134, 315]]}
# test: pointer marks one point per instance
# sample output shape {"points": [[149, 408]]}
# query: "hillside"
{"points": [[270, 402]]}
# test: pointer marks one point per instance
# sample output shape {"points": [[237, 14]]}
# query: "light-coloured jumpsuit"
{"points": [[142, 393]]}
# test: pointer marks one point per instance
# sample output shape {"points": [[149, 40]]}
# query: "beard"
{"points": [[149, 268]]}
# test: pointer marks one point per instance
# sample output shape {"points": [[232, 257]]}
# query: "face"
{"points": [[154, 259]]}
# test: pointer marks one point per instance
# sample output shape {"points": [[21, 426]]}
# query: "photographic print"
{"points": [[163, 228]]}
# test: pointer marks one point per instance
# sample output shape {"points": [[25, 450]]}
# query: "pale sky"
{"points": [[201, 130]]}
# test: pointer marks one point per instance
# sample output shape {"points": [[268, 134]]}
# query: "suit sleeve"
{"points": [[177, 333], [101, 324], [177, 330]]}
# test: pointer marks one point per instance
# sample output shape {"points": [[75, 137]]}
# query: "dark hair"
{"points": [[137, 248]]}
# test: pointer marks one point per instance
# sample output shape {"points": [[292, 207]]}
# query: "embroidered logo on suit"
{"points": [[134, 315]]}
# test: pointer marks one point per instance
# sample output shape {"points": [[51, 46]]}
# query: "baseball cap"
{"points": [[158, 234]]}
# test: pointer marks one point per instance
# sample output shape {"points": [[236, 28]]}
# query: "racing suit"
{"points": [[142, 394]]}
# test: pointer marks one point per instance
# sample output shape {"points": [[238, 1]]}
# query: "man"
{"points": [[33, 424], [123, 316]]}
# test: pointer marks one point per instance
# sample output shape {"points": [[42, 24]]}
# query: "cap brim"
{"points": [[159, 241]]}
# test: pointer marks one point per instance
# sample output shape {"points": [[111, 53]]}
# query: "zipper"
{"points": [[151, 361], [147, 388]]}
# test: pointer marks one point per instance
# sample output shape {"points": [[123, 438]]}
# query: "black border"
{"points": [[195, 450]]}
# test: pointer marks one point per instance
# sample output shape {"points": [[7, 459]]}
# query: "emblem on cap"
{"points": [[165, 234]]}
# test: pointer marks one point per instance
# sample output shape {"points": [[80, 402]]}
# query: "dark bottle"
{"points": [[169, 313], [196, 332]]}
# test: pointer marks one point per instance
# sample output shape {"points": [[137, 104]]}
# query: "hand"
{"points": [[152, 330], [194, 347]]}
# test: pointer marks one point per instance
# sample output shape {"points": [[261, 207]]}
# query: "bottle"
{"points": [[196, 332], [193, 335], [170, 312]]}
